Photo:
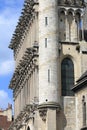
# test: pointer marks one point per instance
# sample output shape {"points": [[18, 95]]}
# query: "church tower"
{"points": [[50, 52]]}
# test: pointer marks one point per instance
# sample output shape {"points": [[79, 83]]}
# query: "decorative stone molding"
{"points": [[24, 21], [44, 107], [43, 113], [24, 116], [72, 2], [25, 68]]}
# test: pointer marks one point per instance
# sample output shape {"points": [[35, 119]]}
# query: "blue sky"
{"points": [[10, 11]]}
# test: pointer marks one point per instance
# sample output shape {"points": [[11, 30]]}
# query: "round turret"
{"points": [[48, 51]]}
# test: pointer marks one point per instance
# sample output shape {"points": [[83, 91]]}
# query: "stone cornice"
{"points": [[43, 108], [76, 3], [69, 43], [49, 105], [24, 22], [80, 85], [25, 68]]}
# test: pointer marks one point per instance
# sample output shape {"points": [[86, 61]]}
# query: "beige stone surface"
{"points": [[38, 102]]}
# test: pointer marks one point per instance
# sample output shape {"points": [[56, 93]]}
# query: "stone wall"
{"points": [[79, 111], [69, 107], [30, 38]]}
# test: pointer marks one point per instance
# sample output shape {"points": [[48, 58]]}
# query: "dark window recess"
{"points": [[48, 75], [80, 35], [67, 77], [28, 128], [45, 42], [85, 35], [84, 110], [84, 128], [46, 20]]}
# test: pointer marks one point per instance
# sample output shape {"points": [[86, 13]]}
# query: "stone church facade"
{"points": [[50, 80]]}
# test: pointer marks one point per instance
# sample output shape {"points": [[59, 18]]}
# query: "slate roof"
{"points": [[81, 82]]}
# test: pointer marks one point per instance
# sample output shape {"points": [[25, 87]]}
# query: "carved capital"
{"points": [[43, 113]]}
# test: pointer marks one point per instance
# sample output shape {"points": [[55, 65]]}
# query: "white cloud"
{"points": [[9, 14], [8, 20], [6, 67], [4, 99]]}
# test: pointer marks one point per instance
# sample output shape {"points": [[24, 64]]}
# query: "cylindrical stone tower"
{"points": [[48, 51]]}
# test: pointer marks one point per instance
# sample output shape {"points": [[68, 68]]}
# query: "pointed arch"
{"points": [[67, 76], [62, 26], [28, 128], [70, 22], [78, 24]]}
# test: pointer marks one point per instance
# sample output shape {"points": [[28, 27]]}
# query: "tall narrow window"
{"points": [[70, 20], [62, 26], [79, 26], [67, 77], [46, 20], [84, 110], [48, 75], [45, 42]]}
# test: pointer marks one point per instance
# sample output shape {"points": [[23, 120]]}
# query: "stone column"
{"points": [[74, 36], [51, 120], [49, 93], [67, 27], [82, 27], [48, 56]]}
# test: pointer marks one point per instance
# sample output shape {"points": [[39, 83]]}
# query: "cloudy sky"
{"points": [[10, 11]]}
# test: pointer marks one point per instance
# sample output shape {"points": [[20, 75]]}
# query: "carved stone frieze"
{"points": [[26, 67], [23, 117], [27, 16], [43, 113], [72, 2]]}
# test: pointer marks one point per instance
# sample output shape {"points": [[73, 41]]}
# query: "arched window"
{"points": [[28, 128], [67, 77], [70, 21], [79, 26], [62, 26]]}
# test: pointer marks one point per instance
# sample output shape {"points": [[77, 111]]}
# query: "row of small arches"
{"points": [[66, 23], [70, 10]]}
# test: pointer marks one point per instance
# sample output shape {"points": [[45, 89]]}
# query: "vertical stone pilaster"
{"points": [[74, 33], [82, 27], [67, 28], [51, 120]]}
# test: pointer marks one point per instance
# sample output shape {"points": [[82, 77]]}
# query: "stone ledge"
{"points": [[49, 105]]}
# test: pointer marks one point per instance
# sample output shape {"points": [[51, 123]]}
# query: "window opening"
{"points": [[84, 110], [79, 26], [70, 19], [48, 75], [28, 128], [45, 42], [46, 20], [62, 26], [67, 77]]}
